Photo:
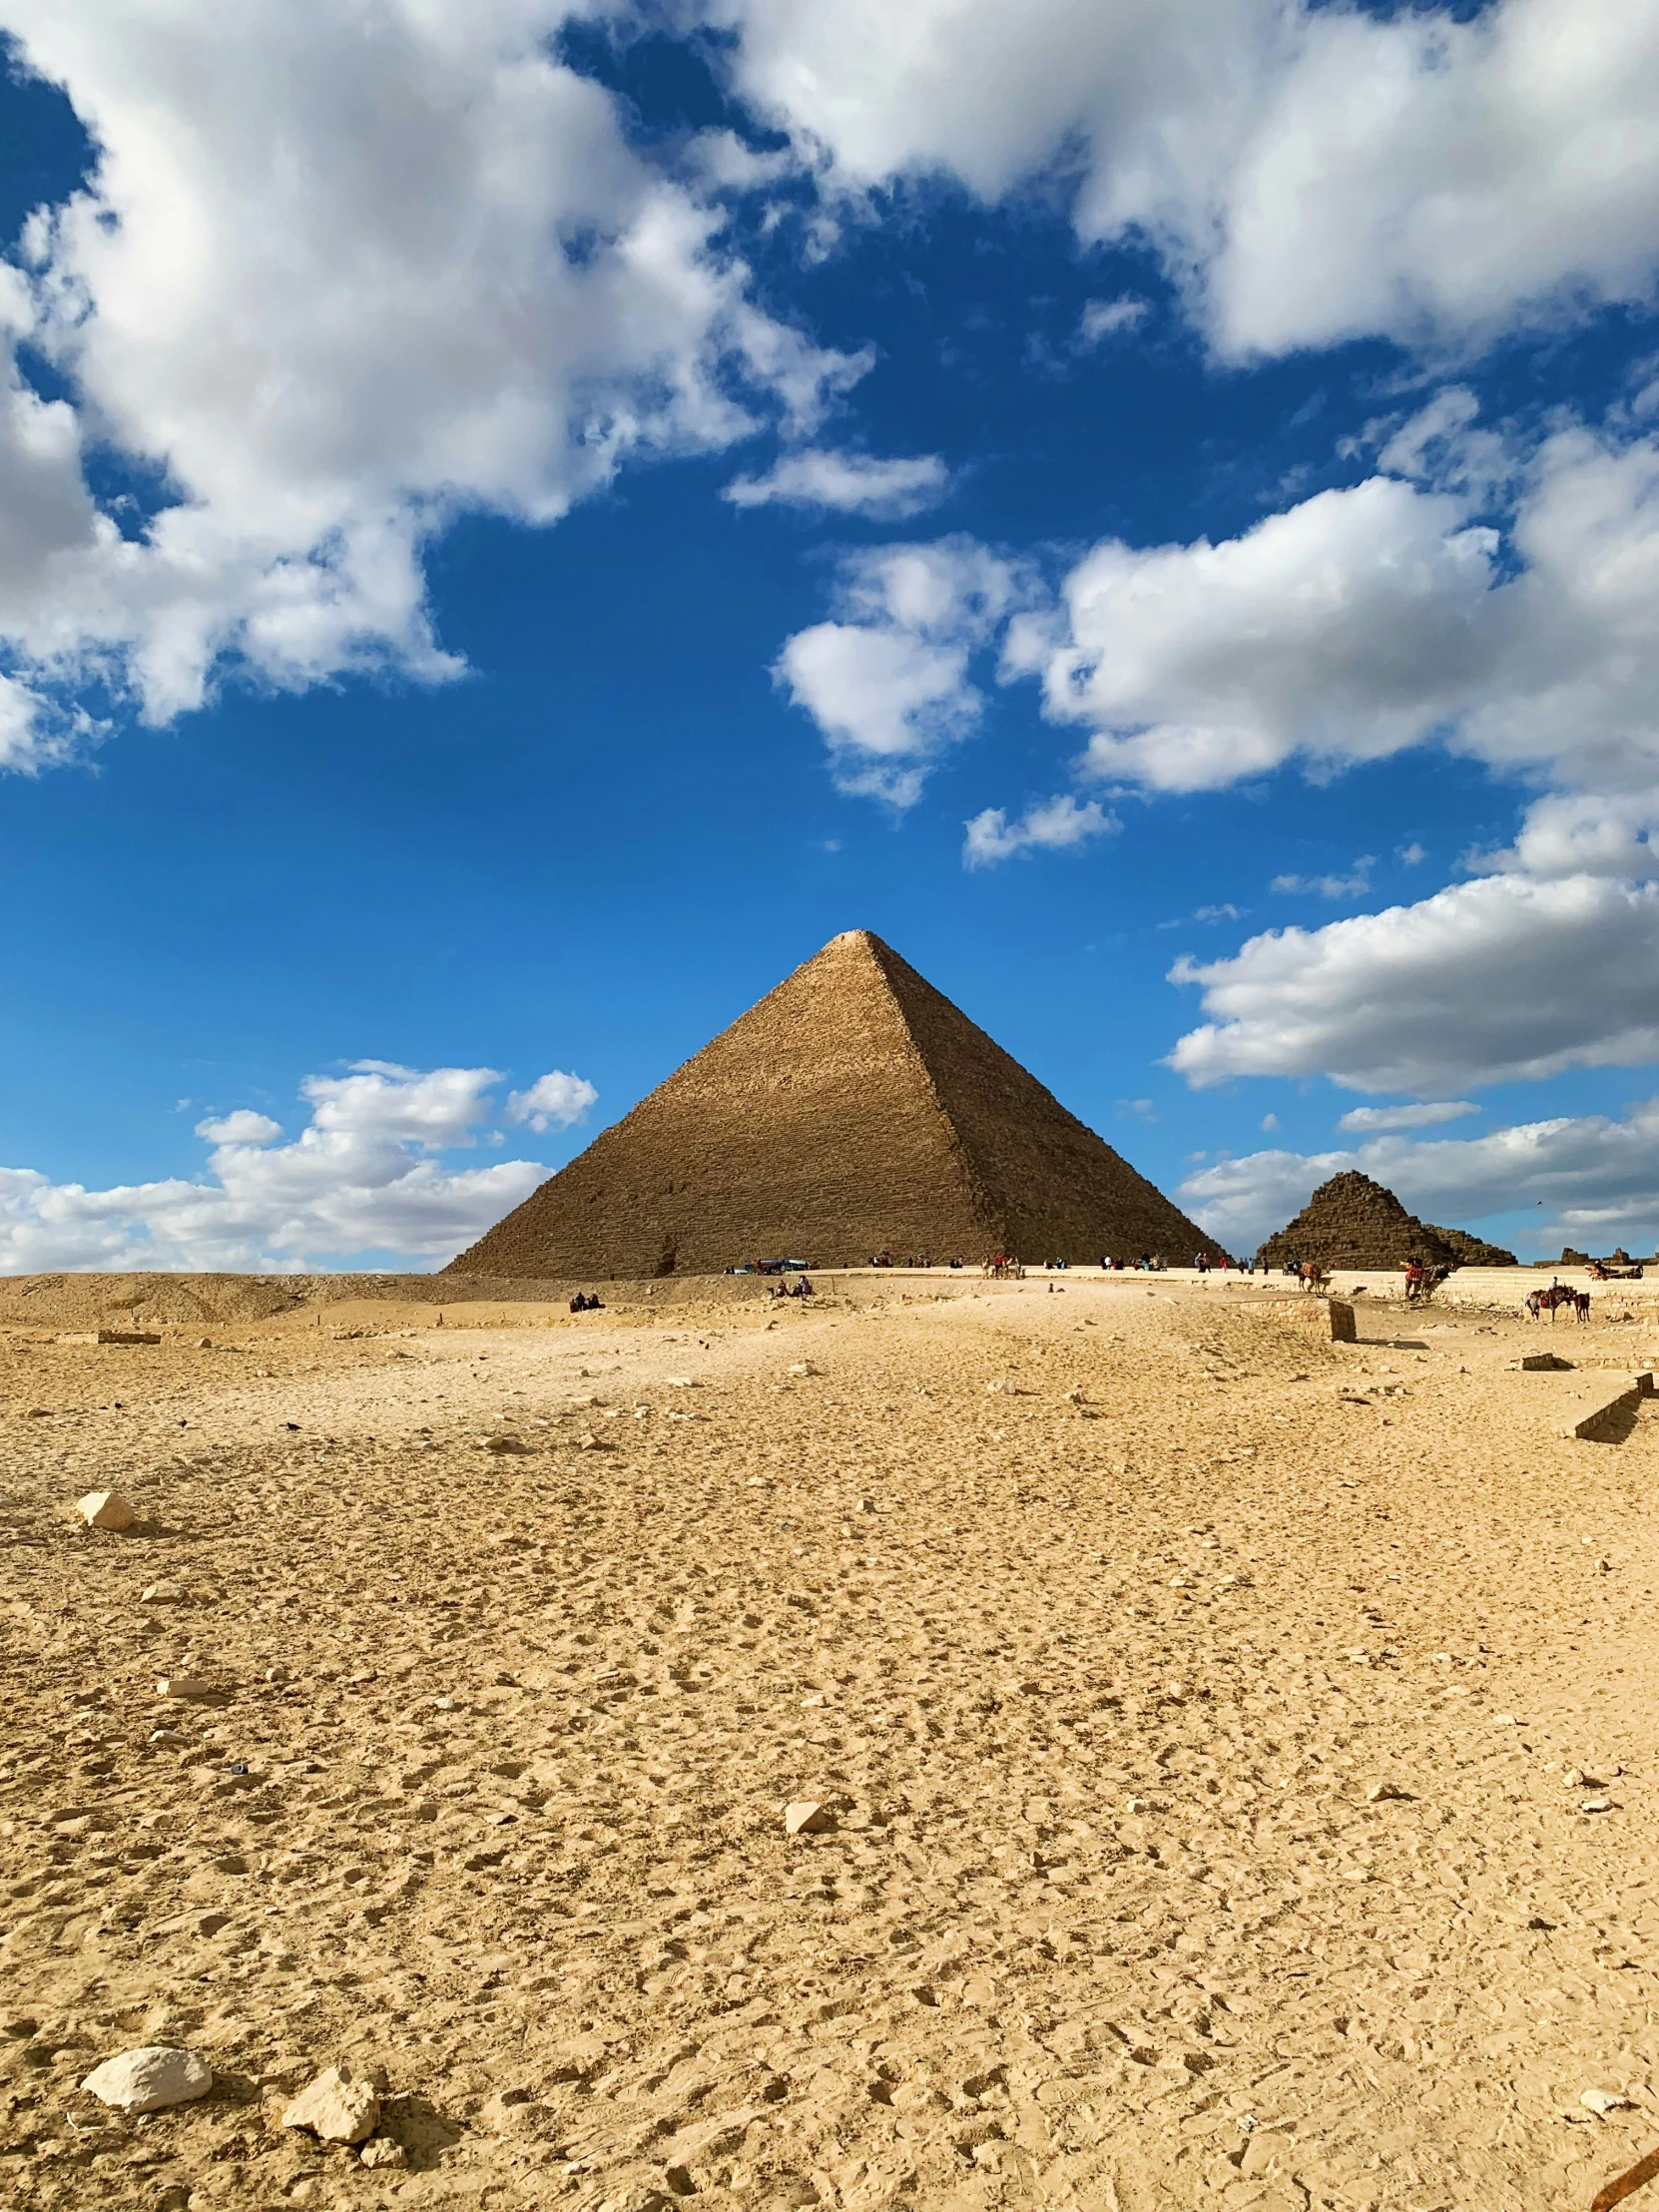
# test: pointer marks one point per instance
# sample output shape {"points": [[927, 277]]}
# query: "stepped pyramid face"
{"points": [[855, 1110], [1352, 1222]]}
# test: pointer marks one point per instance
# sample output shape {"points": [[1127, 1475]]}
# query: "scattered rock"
{"points": [[1603, 2101], [1597, 1805], [1386, 1793], [505, 1443], [804, 1367], [183, 1685], [150, 2079], [165, 1593], [105, 1509], [806, 1817], [338, 2106], [382, 2151], [681, 1383]]}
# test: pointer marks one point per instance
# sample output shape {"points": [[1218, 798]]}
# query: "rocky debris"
{"points": [[150, 2079], [1353, 1222], [506, 1444], [184, 1686], [1603, 2101], [805, 1816], [338, 2106], [1386, 1793], [383, 2152], [105, 1509], [165, 1593]]}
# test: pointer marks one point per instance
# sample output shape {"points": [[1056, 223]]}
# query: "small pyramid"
{"points": [[853, 1110], [1352, 1222]]}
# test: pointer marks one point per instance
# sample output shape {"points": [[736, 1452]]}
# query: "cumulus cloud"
{"points": [[365, 1176], [1345, 629], [1309, 174], [845, 483], [889, 684], [1373, 1120], [1485, 983], [1057, 826], [553, 1101], [1590, 1176], [336, 278], [242, 1127]]}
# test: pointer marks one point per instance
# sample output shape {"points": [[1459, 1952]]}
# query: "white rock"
{"points": [[165, 1593], [383, 2152], [150, 2079], [1603, 2101], [336, 2107], [804, 1818], [105, 1509], [802, 1367], [681, 1383], [183, 1685], [1597, 1805]]}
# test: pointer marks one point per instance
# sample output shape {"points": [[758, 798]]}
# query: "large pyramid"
{"points": [[855, 1110], [1352, 1222]]}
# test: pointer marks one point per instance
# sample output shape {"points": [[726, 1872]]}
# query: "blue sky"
{"points": [[515, 526]]}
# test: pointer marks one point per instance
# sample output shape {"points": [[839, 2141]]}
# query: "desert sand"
{"points": [[1236, 1754]]}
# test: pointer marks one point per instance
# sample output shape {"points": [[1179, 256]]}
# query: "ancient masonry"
{"points": [[1352, 1222], [853, 1110]]}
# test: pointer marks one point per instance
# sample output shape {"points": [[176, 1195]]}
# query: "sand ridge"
{"points": [[1098, 1615]]}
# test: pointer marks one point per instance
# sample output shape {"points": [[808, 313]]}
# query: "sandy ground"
{"points": [[1097, 1618]]}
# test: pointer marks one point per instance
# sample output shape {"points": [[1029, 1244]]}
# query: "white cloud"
{"points": [[1058, 824], [242, 1127], [337, 279], [1351, 885], [380, 1099], [1309, 174], [1343, 630], [361, 1178], [1583, 1176], [553, 1101], [1489, 981], [888, 685], [1374, 1120], [1108, 318], [1410, 856], [1382, 616], [845, 483]]}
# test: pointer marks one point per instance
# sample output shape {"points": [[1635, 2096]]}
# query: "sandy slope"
{"points": [[1099, 1689]]}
